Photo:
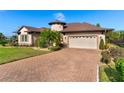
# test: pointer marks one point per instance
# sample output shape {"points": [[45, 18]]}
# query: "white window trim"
{"points": [[24, 38]]}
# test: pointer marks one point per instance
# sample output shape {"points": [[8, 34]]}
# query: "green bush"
{"points": [[55, 48], [120, 67], [37, 42], [43, 44], [40, 43], [112, 36], [106, 57], [101, 45], [3, 42], [49, 38], [102, 74]]}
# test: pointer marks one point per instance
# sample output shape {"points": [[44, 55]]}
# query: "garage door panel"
{"points": [[89, 42]]}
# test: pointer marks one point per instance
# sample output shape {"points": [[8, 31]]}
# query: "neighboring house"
{"points": [[75, 35]]}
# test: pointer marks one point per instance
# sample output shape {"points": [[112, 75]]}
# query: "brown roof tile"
{"points": [[72, 27], [33, 29]]}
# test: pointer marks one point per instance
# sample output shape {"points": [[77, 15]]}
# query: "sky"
{"points": [[10, 20]]}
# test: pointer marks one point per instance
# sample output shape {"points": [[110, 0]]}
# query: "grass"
{"points": [[108, 73], [102, 75], [12, 54], [112, 45]]}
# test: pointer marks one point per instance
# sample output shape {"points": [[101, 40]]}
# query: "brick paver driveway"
{"points": [[65, 65]]}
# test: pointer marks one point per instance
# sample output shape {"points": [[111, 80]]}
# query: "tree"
{"points": [[49, 38], [122, 35], [101, 45], [3, 40], [2, 36], [111, 36], [57, 38], [98, 25]]}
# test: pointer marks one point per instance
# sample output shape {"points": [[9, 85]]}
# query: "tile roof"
{"points": [[33, 29], [69, 27], [82, 27]]}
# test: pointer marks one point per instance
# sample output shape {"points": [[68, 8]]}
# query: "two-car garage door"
{"points": [[88, 42]]}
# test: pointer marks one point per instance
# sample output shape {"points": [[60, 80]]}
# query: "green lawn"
{"points": [[108, 73], [12, 54]]}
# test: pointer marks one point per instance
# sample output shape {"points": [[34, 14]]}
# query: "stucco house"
{"points": [[75, 35]]}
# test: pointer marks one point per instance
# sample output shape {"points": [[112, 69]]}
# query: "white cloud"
{"points": [[59, 16]]}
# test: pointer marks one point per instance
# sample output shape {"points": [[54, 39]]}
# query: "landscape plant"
{"points": [[55, 48], [113, 70], [3, 40], [115, 52], [102, 45], [120, 68], [13, 40], [2, 36], [49, 38], [113, 36], [106, 57]]}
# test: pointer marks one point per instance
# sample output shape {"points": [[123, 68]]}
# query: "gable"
{"points": [[22, 30]]}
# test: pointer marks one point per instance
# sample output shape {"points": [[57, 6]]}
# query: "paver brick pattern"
{"points": [[66, 65]]}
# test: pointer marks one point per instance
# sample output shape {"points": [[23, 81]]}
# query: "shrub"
{"points": [[43, 44], [13, 43], [50, 38], [40, 43], [120, 67], [106, 57], [106, 46], [55, 48], [13, 40], [62, 45], [3, 42], [37, 42], [101, 45], [122, 52], [115, 52]]}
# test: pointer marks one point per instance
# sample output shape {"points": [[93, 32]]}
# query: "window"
{"points": [[24, 38]]}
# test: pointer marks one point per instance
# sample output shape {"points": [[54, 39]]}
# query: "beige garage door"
{"points": [[88, 42]]}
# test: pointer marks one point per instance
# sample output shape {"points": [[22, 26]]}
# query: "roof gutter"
{"points": [[83, 31]]}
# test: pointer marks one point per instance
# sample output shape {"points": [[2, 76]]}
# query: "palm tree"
{"points": [[50, 38]]}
